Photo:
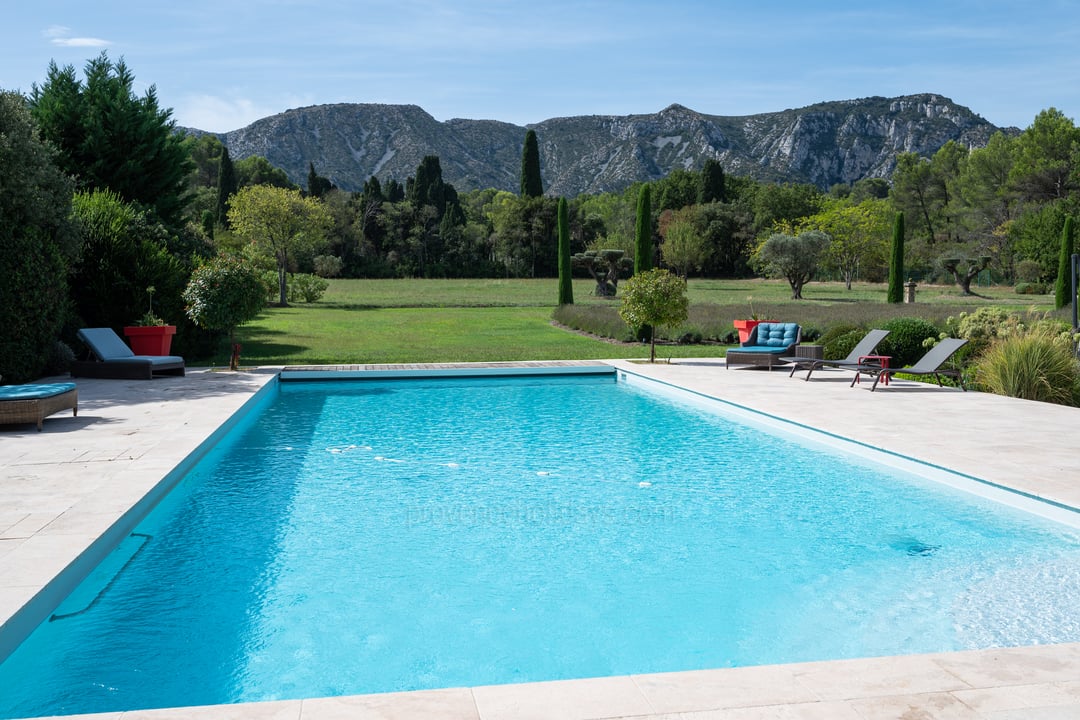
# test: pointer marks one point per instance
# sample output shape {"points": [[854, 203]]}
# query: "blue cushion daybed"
{"points": [[115, 359], [33, 403], [767, 344]]}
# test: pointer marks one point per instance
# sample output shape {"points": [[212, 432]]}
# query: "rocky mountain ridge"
{"points": [[824, 144]]}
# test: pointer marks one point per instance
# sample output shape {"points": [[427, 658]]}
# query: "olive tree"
{"points": [[792, 257], [279, 222], [654, 298]]}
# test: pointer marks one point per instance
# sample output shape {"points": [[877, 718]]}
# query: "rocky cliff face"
{"points": [[823, 144]]}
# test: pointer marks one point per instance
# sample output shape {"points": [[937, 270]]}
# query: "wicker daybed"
{"points": [[34, 403], [767, 345]]}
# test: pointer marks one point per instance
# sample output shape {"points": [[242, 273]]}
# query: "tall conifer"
{"points": [[227, 186], [1063, 286], [566, 280], [643, 248], [531, 183], [712, 182], [896, 262]]}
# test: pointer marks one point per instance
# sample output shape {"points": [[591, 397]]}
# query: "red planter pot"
{"points": [[150, 339], [745, 326]]}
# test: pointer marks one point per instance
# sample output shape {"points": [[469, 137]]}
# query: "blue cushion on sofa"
{"points": [[34, 392], [776, 335]]}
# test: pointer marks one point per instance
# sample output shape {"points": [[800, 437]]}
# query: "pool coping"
{"points": [[37, 547]]}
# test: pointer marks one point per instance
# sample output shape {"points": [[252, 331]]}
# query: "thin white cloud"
{"points": [[80, 42], [60, 36], [217, 114]]}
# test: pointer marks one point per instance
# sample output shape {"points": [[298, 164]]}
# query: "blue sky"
{"points": [[221, 65]]}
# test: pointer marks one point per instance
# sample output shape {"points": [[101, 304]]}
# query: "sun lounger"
{"points": [[932, 363], [864, 347], [114, 359], [34, 403]]}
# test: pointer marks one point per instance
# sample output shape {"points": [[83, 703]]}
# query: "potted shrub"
{"points": [[745, 327], [150, 335]]}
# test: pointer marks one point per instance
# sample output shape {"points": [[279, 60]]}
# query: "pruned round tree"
{"points": [[654, 298], [224, 294]]}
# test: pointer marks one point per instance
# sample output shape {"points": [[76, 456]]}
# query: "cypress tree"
{"points": [[1063, 286], [712, 182], [227, 186], [643, 232], [566, 283], [531, 184], [896, 262]]}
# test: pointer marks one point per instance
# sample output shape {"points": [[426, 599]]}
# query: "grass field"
{"points": [[398, 321]]}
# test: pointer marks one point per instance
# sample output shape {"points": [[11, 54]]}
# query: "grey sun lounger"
{"points": [[114, 359], [932, 363], [864, 347]]}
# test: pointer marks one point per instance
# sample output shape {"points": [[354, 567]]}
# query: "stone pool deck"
{"points": [[61, 489]]}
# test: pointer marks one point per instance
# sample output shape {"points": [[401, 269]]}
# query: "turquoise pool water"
{"points": [[357, 537]]}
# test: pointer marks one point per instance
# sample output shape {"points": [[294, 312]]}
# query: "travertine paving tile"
{"points": [[567, 699], [721, 689], [451, 704]]}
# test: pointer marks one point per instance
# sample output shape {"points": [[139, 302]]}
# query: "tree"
{"points": [[712, 182], [965, 269], [1063, 286], [257, 170], [112, 139], [1047, 157], [280, 222], [37, 244], [654, 298], [224, 294], [566, 276], [604, 266], [858, 235], [227, 186], [896, 262], [679, 189], [532, 184], [124, 252], [684, 248], [794, 258], [317, 185], [643, 245]]}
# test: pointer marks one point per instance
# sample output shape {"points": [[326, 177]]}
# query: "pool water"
{"points": [[357, 537]]}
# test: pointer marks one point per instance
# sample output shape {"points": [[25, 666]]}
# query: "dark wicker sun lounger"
{"points": [[864, 347], [114, 359]]}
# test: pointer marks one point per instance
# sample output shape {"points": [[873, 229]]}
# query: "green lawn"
{"points": [[398, 321]]}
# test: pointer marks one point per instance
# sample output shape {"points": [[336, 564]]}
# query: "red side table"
{"points": [[880, 361]]}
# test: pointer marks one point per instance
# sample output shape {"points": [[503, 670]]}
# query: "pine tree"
{"points": [[643, 246], [566, 280], [227, 187], [1063, 286], [531, 183], [896, 262]]}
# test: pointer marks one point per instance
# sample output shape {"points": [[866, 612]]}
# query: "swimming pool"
{"points": [[576, 506]]}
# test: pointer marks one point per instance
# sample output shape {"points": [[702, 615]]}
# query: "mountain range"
{"points": [[824, 144]]}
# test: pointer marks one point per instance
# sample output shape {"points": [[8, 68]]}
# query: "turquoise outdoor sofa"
{"points": [[767, 345], [33, 403]]}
